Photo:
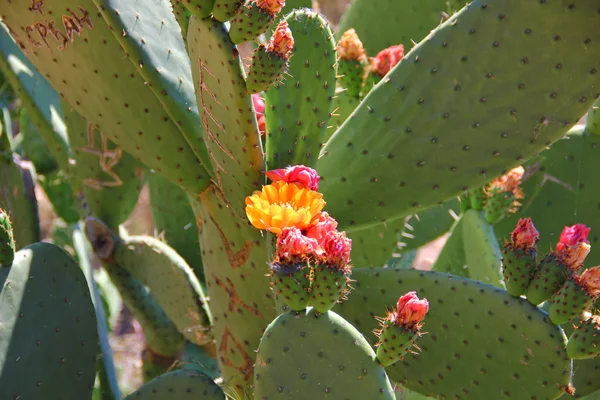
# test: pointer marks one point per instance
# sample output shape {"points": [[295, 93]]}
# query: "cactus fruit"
{"points": [[352, 62], [7, 241], [502, 194], [48, 337], [270, 61], [224, 10], [481, 331], [381, 64], [299, 350], [199, 8], [575, 296], [584, 341], [519, 257], [183, 384], [253, 18], [299, 109], [556, 267], [400, 328]]}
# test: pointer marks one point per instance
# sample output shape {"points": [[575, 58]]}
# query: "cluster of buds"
{"points": [[400, 328], [311, 261]]}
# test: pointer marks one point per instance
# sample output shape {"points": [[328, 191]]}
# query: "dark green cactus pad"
{"points": [[266, 70], [343, 106], [37, 95], [478, 341], [110, 178], [548, 278], [308, 355], [7, 241], [585, 378], [235, 264], [297, 111], [17, 197], [472, 250], [291, 284], [329, 287], [394, 342], [416, 20], [70, 46], [571, 300], [199, 8], [476, 98], [249, 22], [229, 123], [518, 268], [180, 384], [584, 342], [59, 191], [224, 10], [561, 191], [48, 338], [34, 146], [152, 40], [200, 359], [174, 221]]}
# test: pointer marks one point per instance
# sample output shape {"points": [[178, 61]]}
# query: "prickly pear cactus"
{"points": [[184, 384]]}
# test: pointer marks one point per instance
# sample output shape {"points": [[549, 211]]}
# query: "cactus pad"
{"points": [[48, 338], [266, 70], [181, 384], [291, 283], [299, 353], [224, 10], [249, 22], [585, 339], [329, 286], [478, 342], [548, 278], [298, 110], [485, 90], [518, 267], [571, 300]]}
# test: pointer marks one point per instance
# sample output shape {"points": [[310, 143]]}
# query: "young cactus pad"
{"points": [[476, 97], [48, 337], [478, 342], [182, 384], [307, 355]]}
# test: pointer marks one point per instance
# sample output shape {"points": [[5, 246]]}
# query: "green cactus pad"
{"points": [[59, 191], [266, 70], [37, 95], [394, 342], [584, 342], [34, 146], [48, 338], [181, 384], [110, 178], [518, 268], [308, 355], [571, 300], [70, 46], [561, 190], [249, 22], [182, 15], [175, 224], [351, 74], [7, 241], [416, 20], [343, 106], [480, 94], [224, 10], [472, 250], [329, 287], [166, 274], [497, 205], [235, 264], [585, 377], [291, 283], [160, 332], [297, 111], [230, 126], [373, 247], [476, 198], [199, 8], [548, 278], [478, 342]]}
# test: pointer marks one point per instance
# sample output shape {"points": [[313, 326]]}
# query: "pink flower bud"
{"points": [[296, 174], [293, 246], [590, 280], [282, 41], [259, 107], [323, 225], [337, 248], [571, 235], [271, 6], [387, 59], [410, 311], [525, 236]]}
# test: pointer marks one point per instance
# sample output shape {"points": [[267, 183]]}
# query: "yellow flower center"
{"points": [[282, 205]]}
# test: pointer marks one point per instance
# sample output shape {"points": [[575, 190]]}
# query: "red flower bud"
{"points": [[571, 235], [337, 248], [387, 59], [296, 174], [525, 236], [323, 225], [293, 246], [282, 41], [410, 311]]}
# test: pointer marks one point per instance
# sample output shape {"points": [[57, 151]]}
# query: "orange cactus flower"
{"points": [[590, 280], [284, 205]]}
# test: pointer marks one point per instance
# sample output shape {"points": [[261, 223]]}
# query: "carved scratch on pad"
{"points": [[108, 159], [234, 298], [225, 348], [238, 258]]}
